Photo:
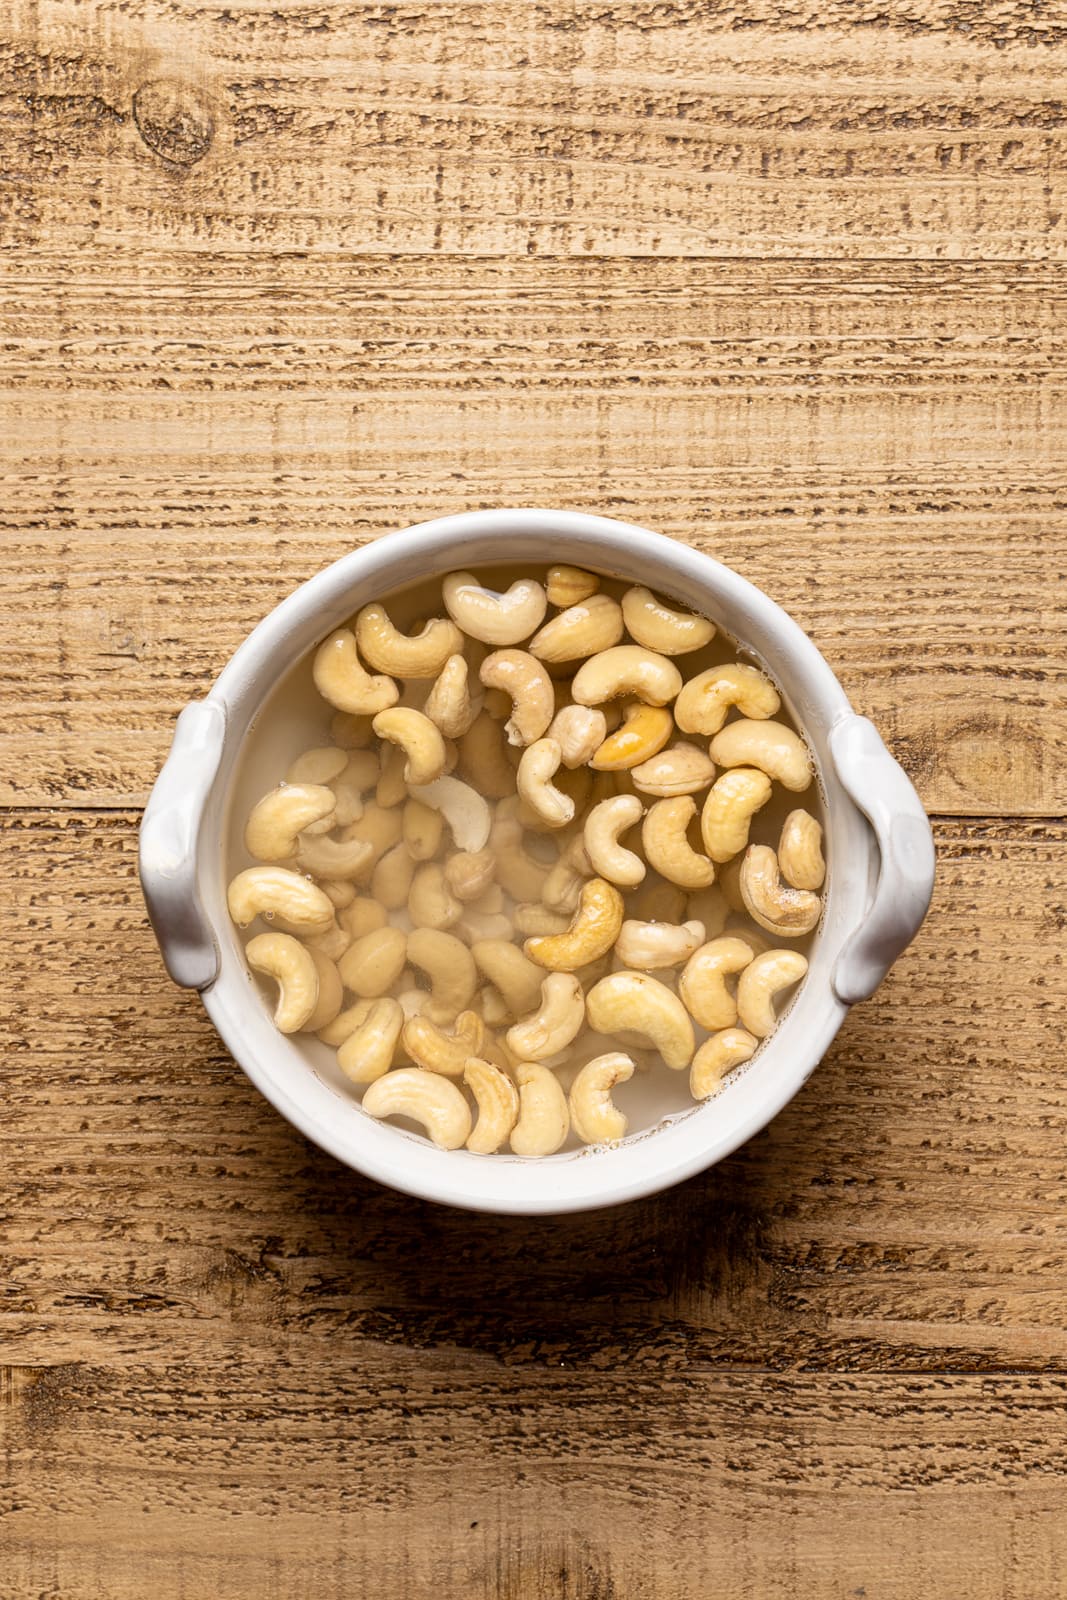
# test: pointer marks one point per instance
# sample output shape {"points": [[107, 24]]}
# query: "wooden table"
{"points": [[784, 281]]}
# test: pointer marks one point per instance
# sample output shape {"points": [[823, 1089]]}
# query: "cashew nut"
{"points": [[658, 627], [318, 766], [518, 873], [771, 746], [772, 904], [279, 895], [345, 1023], [539, 764], [703, 704], [666, 844], [579, 731], [449, 702], [469, 873], [275, 821], [349, 786], [342, 680], [496, 619], [331, 993], [702, 984], [603, 825], [716, 1057], [516, 978], [431, 903], [479, 925], [731, 803], [380, 828], [362, 916], [800, 854], [332, 942], [466, 813], [448, 964], [557, 1021], [531, 918], [351, 732], [761, 982], [391, 882], [392, 787], [683, 769], [390, 651], [566, 586], [343, 859], [522, 677], [544, 1120], [498, 1105], [368, 1052], [563, 885], [626, 669], [709, 907], [426, 1098], [728, 878], [430, 1046], [422, 830], [594, 1117], [643, 735], [591, 934], [371, 965], [650, 945], [483, 758], [285, 959], [656, 900], [582, 630], [634, 1003], [492, 1006]]}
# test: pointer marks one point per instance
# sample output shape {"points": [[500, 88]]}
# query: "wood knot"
{"points": [[174, 120]]}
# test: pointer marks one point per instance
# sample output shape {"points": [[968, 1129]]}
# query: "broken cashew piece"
{"points": [[761, 982], [279, 894], [491, 618], [651, 945], [626, 669], [533, 702], [579, 731], [770, 746], [498, 1105], [286, 960], [732, 802], [386, 648], [566, 586], [716, 1057], [419, 739], [704, 703], [642, 735], [539, 764], [368, 1052], [428, 1099], [275, 821], [800, 854], [544, 1120], [448, 964], [702, 984], [607, 820], [341, 678], [582, 630], [439, 1050], [594, 1116], [683, 769], [591, 934], [659, 627], [664, 836], [448, 703], [634, 1003], [772, 904], [371, 965], [466, 813], [555, 1024]]}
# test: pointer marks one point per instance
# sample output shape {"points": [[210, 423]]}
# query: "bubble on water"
{"points": [[268, 916]]}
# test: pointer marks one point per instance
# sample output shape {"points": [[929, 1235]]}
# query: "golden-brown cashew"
{"points": [[566, 586], [582, 630], [594, 1117], [343, 859], [522, 677], [659, 627], [626, 669], [404, 657], [608, 857], [800, 851], [392, 878], [498, 1105], [702, 984], [544, 1120], [683, 769], [563, 885], [341, 678], [716, 1057], [634, 1003], [426, 1098], [444, 1051], [664, 835], [483, 758], [579, 731], [358, 775], [517, 872], [789, 913], [731, 803], [539, 765], [557, 1021], [704, 703], [516, 978], [642, 735], [419, 738], [592, 932], [462, 807], [651, 945], [431, 903], [362, 916], [345, 1023], [275, 821], [281, 896], [285, 959], [448, 964], [371, 965], [761, 982], [770, 746], [368, 1052], [331, 993], [496, 619], [469, 873], [449, 702], [317, 766], [423, 828], [351, 732]]}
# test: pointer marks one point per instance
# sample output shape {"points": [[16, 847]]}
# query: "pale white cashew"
{"points": [[664, 836], [716, 1057], [641, 736], [702, 984], [469, 873], [659, 627], [368, 1052], [345, 1023], [515, 977], [603, 825], [498, 1105], [731, 803], [704, 703], [423, 828], [566, 586], [492, 1006], [431, 903], [279, 895], [544, 1120], [557, 1021], [428, 1099], [275, 821], [772, 904], [449, 702], [800, 854], [759, 985], [532, 918], [656, 900], [351, 732], [412, 1002], [318, 766], [362, 916], [419, 739], [626, 669], [683, 769], [524, 679], [594, 1116], [563, 885], [343, 859], [359, 774], [371, 965], [342, 680], [651, 945], [496, 619], [579, 731], [390, 651], [479, 925], [466, 813], [438, 1050], [770, 746], [593, 931], [582, 630], [332, 942], [331, 993], [392, 878], [448, 964], [518, 873], [285, 959], [634, 1003], [539, 765]]}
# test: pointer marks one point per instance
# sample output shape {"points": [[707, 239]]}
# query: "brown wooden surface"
{"points": [[780, 279]]}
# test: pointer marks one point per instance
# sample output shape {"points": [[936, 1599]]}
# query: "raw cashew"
{"points": [[761, 982], [449, 702], [350, 785], [351, 732], [345, 1023], [368, 1052], [516, 978], [771, 746], [341, 678], [563, 885], [579, 731], [544, 1121], [632, 1002], [466, 813], [658, 627], [664, 835], [709, 907], [594, 1117], [492, 1006], [702, 984], [704, 703], [517, 872], [279, 895], [332, 942], [483, 758], [391, 651], [448, 964], [426, 1098], [362, 916], [728, 878], [532, 918], [318, 766], [469, 873], [343, 859], [430, 1046], [539, 765], [650, 945], [498, 1105], [566, 586], [285, 959], [557, 1021], [683, 769], [331, 993], [732, 802], [524, 679], [603, 825], [478, 925], [431, 903], [716, 1057], [772, 904], [419, 738], [643, 735], [626, 669], [275, 821], [392, 878], [380, 828], [582, 630], [496, 619], [591, 934], [422, 830], [800, 854], [371, 965]]}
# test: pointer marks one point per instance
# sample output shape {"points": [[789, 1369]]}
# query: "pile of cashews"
{"points": [[452, 906]]}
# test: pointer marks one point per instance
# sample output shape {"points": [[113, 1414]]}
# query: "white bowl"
{"points": [[879, 849]]}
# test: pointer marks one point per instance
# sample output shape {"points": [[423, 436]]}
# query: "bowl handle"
{"points": [[884, 793], [169, 838]]}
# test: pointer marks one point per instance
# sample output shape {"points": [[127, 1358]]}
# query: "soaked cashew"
{"points": [[566, 586], [373, 964], [419, 739], [591, 934], [318, 766], [483, 758], [275, 821], [732, 802], [331, 993], [431, 903], [634, 1003], [706, 700], [582, 630], [594, 1116], [683, 769], [280, 895], [449, 702], [462, 807], [516, 870], [515, 977], [771, 746], [392, 878], [626, 669], [448, 964], [716, 1057], [378, 827], [664, 836], [332, 942], [579, 731], [760, 984], [728, 878], [349, 786], [390, 651], [557, 1021], [341, 678], [479, 925], [343, 859], [702, 984], [563, 885], [608, 857], [533, 918], [492, 1006], [772, 904], [345, 1023], [496, 619], [351, 732], [428, 1099], [656, 900], [539, 765], [469, 873], [800, 854], [522, 677], [441, 1050], [544, 1120], [362, 916], [423, 828], [643, 735], [659, 627], [709, 907], [498, 1105], [651, 945], [285, 959], [368, 1052]]}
